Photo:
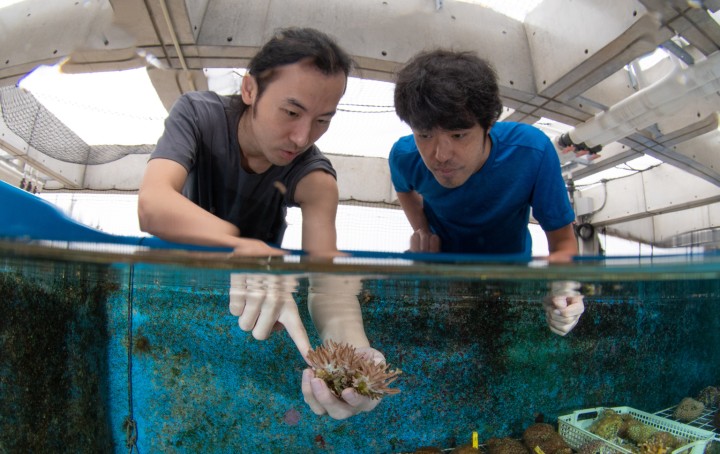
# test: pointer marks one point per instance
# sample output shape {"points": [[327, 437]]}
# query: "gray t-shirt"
{"points": [[201, 135]]}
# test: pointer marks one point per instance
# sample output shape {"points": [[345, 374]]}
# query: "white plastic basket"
{"points": [[573, 429]]}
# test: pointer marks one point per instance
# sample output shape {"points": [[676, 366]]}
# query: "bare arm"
{"points": [[412, 205], [422, 239], [164, 212], [317, 195], [562, 244]]}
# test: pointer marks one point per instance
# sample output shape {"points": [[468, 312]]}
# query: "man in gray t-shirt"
{"points": [[225, 170], [201, 134]]}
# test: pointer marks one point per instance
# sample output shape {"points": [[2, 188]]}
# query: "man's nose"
{"points": [[443, 150], [300, 135]]}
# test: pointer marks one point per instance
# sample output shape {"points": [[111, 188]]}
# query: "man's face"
{"points": [[453, 156], [292, 113]]}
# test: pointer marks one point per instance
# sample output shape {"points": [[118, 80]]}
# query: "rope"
{"points": [[130, 433], [129, 422]]}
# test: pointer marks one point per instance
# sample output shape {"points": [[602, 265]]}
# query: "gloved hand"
{"points": [[563, 306], [322, 401], [264, 303]]}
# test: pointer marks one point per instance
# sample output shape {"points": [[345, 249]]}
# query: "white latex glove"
{"points": [[563, 306], [322, 401], [264, 303]]}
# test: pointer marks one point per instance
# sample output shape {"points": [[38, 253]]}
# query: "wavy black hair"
{"points": [[291, 45], [447, 89]]}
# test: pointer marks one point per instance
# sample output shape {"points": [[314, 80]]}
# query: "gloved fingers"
{"points": [[290, 319], [561, 327], [238, 292], [359, 402], [265, 323], [557, 302], [562, 321], [237, 306], [371, 354], [575, 307], [565, 305], [254, 301], [336, 408], [308, 376]]}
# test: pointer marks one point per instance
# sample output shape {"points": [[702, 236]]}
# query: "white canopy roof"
{"points": [[639, 77]]}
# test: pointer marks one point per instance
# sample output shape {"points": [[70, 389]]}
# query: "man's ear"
{"points": [[248, 89]]}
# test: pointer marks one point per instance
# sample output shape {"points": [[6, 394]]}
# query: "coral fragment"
{"points": [[341, 367]]}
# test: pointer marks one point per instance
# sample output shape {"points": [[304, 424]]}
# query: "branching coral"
{"points": [[341, 367]]}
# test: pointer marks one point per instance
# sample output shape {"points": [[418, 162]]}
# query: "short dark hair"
{"points": [[447, 89], [291, 45]]}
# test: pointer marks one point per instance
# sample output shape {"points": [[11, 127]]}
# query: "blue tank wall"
{"points": [[475, 355]]}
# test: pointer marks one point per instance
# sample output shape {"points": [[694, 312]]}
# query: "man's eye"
{"points": [[291, 113], [324, 121], [459, 135]]}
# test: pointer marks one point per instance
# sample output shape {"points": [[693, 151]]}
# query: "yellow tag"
{"points": [[538, 450], [475, 440]]}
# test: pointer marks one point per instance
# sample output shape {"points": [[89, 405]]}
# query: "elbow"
{"points": [[145, 214]]}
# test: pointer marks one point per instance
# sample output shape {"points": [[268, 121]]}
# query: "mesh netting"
{"points": [[39, 128]]}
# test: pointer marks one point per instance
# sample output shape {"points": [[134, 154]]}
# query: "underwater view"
{"points": [[110, 352]]}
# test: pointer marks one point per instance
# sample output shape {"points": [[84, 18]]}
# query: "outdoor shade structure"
{"points": [[591, 80]]}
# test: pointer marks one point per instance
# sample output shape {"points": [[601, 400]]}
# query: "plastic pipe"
{"points": [[645, 107]]}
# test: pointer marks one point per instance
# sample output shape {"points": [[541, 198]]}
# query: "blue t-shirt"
{"points": [[489, 213]]}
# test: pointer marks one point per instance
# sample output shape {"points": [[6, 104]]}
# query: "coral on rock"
{"points": [[710, 397], [593, 447], [465, 449], [638, 432], [608, 425], [505, 445], [545, 437], [341, 367], [666, 439], [653, 447], [688, 409], [428, 450]]}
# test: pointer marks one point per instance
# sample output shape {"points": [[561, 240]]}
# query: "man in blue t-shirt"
{"points": [[466, 182]]}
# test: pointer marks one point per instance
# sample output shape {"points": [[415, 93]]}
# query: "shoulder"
{"points": [[405, 144], [404, 149], [521, 141], [207, 101], [202, 97], [520, 134], [312, 159]]}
